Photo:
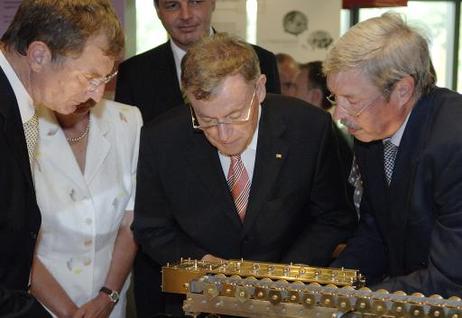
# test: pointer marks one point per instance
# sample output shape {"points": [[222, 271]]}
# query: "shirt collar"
{"points": [[178, 54], [26, 106], [398, 135]]}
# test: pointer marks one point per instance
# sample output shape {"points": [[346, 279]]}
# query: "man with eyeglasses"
{"points": [[55, 55], [408, 141], [239, 173], [151, 81]]}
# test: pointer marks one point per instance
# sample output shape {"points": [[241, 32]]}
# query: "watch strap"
{"points": [[112, 294]]}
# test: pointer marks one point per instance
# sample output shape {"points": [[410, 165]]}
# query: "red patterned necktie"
{"points": [[239, 185]]}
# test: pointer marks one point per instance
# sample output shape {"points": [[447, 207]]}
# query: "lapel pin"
{"points": [[278, 156], [52, 132]]}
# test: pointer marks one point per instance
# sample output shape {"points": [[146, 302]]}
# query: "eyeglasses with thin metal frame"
{"points": [[226, 121], [333, 100], [94, 83]]}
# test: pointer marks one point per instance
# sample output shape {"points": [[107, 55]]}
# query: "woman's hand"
{"points": [[99, 307]]}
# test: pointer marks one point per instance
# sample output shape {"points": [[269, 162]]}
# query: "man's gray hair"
{"points": [[386, 49]]}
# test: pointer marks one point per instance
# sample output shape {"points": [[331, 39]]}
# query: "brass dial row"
{"points": [[289, 272], [345, 299]]}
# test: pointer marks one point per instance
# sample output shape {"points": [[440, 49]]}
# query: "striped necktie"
{"points": [[239, 185]]}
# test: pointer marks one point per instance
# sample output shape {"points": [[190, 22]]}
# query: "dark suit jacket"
{"points": [[414, 227], [297, 210], [149, 80], [19, 213]]}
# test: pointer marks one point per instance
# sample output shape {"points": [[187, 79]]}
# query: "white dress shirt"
{"points": [[398, 135], [178, 54]]}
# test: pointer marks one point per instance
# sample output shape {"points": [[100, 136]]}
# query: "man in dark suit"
{"points": [[20, 216], [239, 173], [44, 60], [151, 80], [408, 149]]}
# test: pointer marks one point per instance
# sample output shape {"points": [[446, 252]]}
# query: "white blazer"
{"points": [[81, 213]]}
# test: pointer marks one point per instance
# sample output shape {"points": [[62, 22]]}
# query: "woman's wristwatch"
{"points": [[112, 294]]}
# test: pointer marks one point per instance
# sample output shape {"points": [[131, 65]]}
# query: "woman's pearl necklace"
{"points": [[74, 140]]}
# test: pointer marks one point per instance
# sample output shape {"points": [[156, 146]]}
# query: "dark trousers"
{"points": [[149, 299]]}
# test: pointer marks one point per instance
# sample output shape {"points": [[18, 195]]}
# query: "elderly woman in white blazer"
{"points": [[84, 177]]}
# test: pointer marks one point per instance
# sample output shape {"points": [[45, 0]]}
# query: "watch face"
{"points": [[114, 296]]}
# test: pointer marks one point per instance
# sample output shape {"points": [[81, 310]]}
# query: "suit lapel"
{"points": [[370, 162], [54, 149], [205, 164], [401, 185], [391, 204], [97, 139], [169, 75], [272, 150], [13, 129]]}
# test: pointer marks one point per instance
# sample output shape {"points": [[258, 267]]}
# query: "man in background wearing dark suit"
{"points": [[151, 80], [409, 151], [52, 54], [239, 173], [288, 69], [311, 86]]}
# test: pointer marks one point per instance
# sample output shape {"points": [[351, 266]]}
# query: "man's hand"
{"points": [[99, 307]]}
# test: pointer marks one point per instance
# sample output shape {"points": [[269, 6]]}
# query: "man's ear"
{"points": [[404, 89], [261, 88], [38, 55], [316, 96]]}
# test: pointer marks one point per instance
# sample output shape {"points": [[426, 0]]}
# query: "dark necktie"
{"points": [[355, 180], [239, 185], [389, 154]]}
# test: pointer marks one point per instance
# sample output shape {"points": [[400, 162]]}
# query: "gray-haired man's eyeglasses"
{"points": [[354, 113]]}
